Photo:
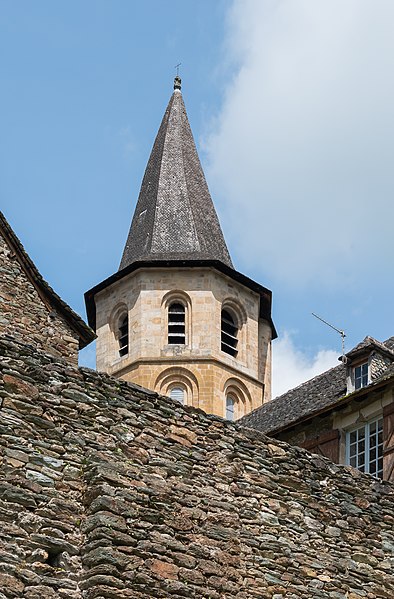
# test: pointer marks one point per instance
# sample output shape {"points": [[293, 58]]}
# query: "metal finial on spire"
{"points": [[177, 80]]}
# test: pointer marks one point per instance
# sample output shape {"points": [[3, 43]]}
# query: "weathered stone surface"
{"points": [[27, 317], [101, 501]]}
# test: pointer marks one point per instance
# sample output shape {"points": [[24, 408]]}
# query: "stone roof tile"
{"points": [[175, 217], [369, 343]]}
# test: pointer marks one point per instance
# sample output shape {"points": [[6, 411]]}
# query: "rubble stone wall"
{"points": [[111, 491], [24, 315]]}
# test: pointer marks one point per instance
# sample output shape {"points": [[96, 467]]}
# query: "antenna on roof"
{"points": [[342, 334]]}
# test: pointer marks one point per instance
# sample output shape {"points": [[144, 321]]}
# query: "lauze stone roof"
{"points": [[111, 491], [175, 218]]}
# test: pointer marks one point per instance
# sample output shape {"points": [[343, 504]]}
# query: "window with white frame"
{"points": [[361, 376], [178, 393], [230, 407], [364, 448]]}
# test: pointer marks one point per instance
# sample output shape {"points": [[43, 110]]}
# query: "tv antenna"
{"points": [[342, 334]]}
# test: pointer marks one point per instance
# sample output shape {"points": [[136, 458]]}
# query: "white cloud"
{"points": [[303, 145], [291, 366]]}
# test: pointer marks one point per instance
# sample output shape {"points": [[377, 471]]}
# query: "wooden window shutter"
{"points": [[388, 442], [326, 445]]}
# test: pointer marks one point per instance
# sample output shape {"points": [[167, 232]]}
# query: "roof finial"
{"points": [[177, 80]]}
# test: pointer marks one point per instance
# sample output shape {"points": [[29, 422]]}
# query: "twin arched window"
{"points": [[229, 333], [176, 324], [177, 328]]}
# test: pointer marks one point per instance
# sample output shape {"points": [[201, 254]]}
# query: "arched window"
{"points": [[123, 335], [230, 407], [229, 334], [176, 324], [178, 394]]}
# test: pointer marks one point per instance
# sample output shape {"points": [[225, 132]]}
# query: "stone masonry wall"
{"points": [[111, 491], [207, 371], [378, 364], [24, 315]]}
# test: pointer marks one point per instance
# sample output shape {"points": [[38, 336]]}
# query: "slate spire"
{"points": [[175, 218]]}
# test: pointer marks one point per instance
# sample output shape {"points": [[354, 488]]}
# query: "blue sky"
{"points": [[290, 104]]}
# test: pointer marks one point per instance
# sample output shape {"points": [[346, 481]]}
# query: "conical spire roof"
{"points": [[175, 218]]}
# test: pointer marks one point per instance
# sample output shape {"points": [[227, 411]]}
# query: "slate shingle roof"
{"points": [[175, 217], [389, 343], [312, 397]]}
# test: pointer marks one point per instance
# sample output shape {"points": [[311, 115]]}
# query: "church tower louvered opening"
{"points": [[194, 324]]}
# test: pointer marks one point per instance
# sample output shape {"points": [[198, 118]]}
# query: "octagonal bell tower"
{"points": [[177, 317]]}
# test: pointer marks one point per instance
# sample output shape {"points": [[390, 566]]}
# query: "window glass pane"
{"points": [[230, 407], [361, 376], [178, 394], [365, 447]]}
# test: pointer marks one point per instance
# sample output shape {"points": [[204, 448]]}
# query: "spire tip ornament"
{"points": [[177, 82]]}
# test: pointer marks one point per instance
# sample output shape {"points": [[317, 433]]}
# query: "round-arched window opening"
{"points": [[123, 335], [176, 324], [230, 407], [178, 393], [229, 333]]}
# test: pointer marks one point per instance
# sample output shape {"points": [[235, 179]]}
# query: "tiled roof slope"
{"points": [[312, 397], [175, 217], [390, 343]]}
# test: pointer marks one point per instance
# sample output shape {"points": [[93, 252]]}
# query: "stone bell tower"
{"points": [[176, 317]]}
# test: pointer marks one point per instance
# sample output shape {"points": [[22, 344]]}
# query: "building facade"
{"points": [[345, 414], [177, 317]]}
